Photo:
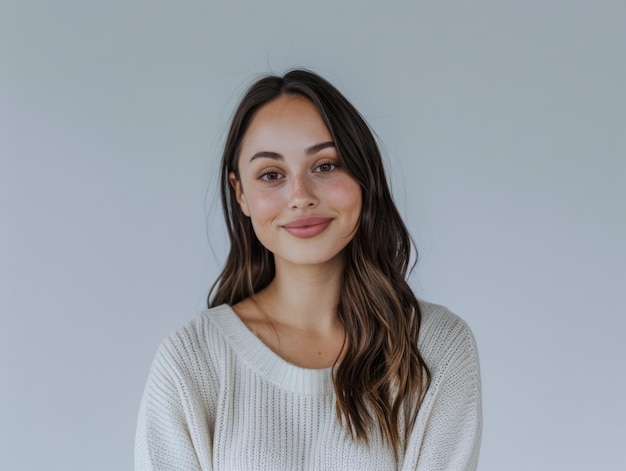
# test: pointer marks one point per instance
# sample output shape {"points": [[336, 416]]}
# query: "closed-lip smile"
{"points": [[307, 227]]}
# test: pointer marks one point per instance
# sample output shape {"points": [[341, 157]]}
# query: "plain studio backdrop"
{"points": [[503, 126]]}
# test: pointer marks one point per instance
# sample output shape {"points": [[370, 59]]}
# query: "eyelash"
{"points": [[264, 176], [333, 164]]}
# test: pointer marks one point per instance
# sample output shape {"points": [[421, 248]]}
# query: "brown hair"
{"points": [[382, 378]]}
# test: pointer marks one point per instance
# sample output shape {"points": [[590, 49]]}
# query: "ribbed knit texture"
{"points": [[217, 398]]}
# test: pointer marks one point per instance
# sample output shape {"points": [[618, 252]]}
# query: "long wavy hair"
{"points": [[382, 379]]}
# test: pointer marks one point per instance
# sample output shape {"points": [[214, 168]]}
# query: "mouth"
{"points": [[307, 227]]}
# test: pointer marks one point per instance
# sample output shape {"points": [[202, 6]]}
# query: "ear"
{"points": [[241, 199]]}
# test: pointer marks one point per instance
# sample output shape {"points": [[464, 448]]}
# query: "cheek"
{"points": [[263, 207], [348, 197], [349, 200]]}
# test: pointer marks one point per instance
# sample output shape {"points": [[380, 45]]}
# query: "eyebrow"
{"points": [[314, 149]]}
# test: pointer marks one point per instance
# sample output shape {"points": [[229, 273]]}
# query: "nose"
{"points": [[302, 193]]}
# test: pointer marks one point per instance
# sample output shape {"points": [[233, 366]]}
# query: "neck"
{"points": [[304, 297]]}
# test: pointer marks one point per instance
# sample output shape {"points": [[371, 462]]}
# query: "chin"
{"points": [[312, 260]]}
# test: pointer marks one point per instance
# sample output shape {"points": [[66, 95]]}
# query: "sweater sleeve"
{"points": [[449, 425], [170, 433]]}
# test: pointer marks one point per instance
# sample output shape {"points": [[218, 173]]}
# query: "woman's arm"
{"points": [[171, 429], [448, 429]]}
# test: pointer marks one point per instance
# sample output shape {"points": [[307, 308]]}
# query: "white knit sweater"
{"points": [[217, 398]]}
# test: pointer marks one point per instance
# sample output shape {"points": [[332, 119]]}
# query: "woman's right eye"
{"points": [[270, 176]]}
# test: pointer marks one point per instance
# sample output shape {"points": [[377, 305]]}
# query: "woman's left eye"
{"points": [[326, 167]]}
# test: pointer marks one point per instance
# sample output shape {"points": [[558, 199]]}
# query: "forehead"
{"points": [[289, 121]]}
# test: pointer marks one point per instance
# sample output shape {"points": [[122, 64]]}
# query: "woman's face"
{"points": [[303, 205]]}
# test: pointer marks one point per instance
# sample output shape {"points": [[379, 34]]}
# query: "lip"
{"points": [[307, 227]]}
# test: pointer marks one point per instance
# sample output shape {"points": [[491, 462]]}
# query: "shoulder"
{"points": [[198, 341], [445, 337]]}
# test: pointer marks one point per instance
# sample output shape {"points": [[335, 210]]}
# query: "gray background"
{"points": [[503, 124]]}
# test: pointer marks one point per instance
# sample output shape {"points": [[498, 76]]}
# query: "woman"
{"points": [[314, 352]]}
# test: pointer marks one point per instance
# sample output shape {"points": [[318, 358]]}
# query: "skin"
{"points": [[289, 172]]}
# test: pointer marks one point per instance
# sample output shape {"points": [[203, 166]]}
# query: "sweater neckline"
{"points": [[265, 362]]}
